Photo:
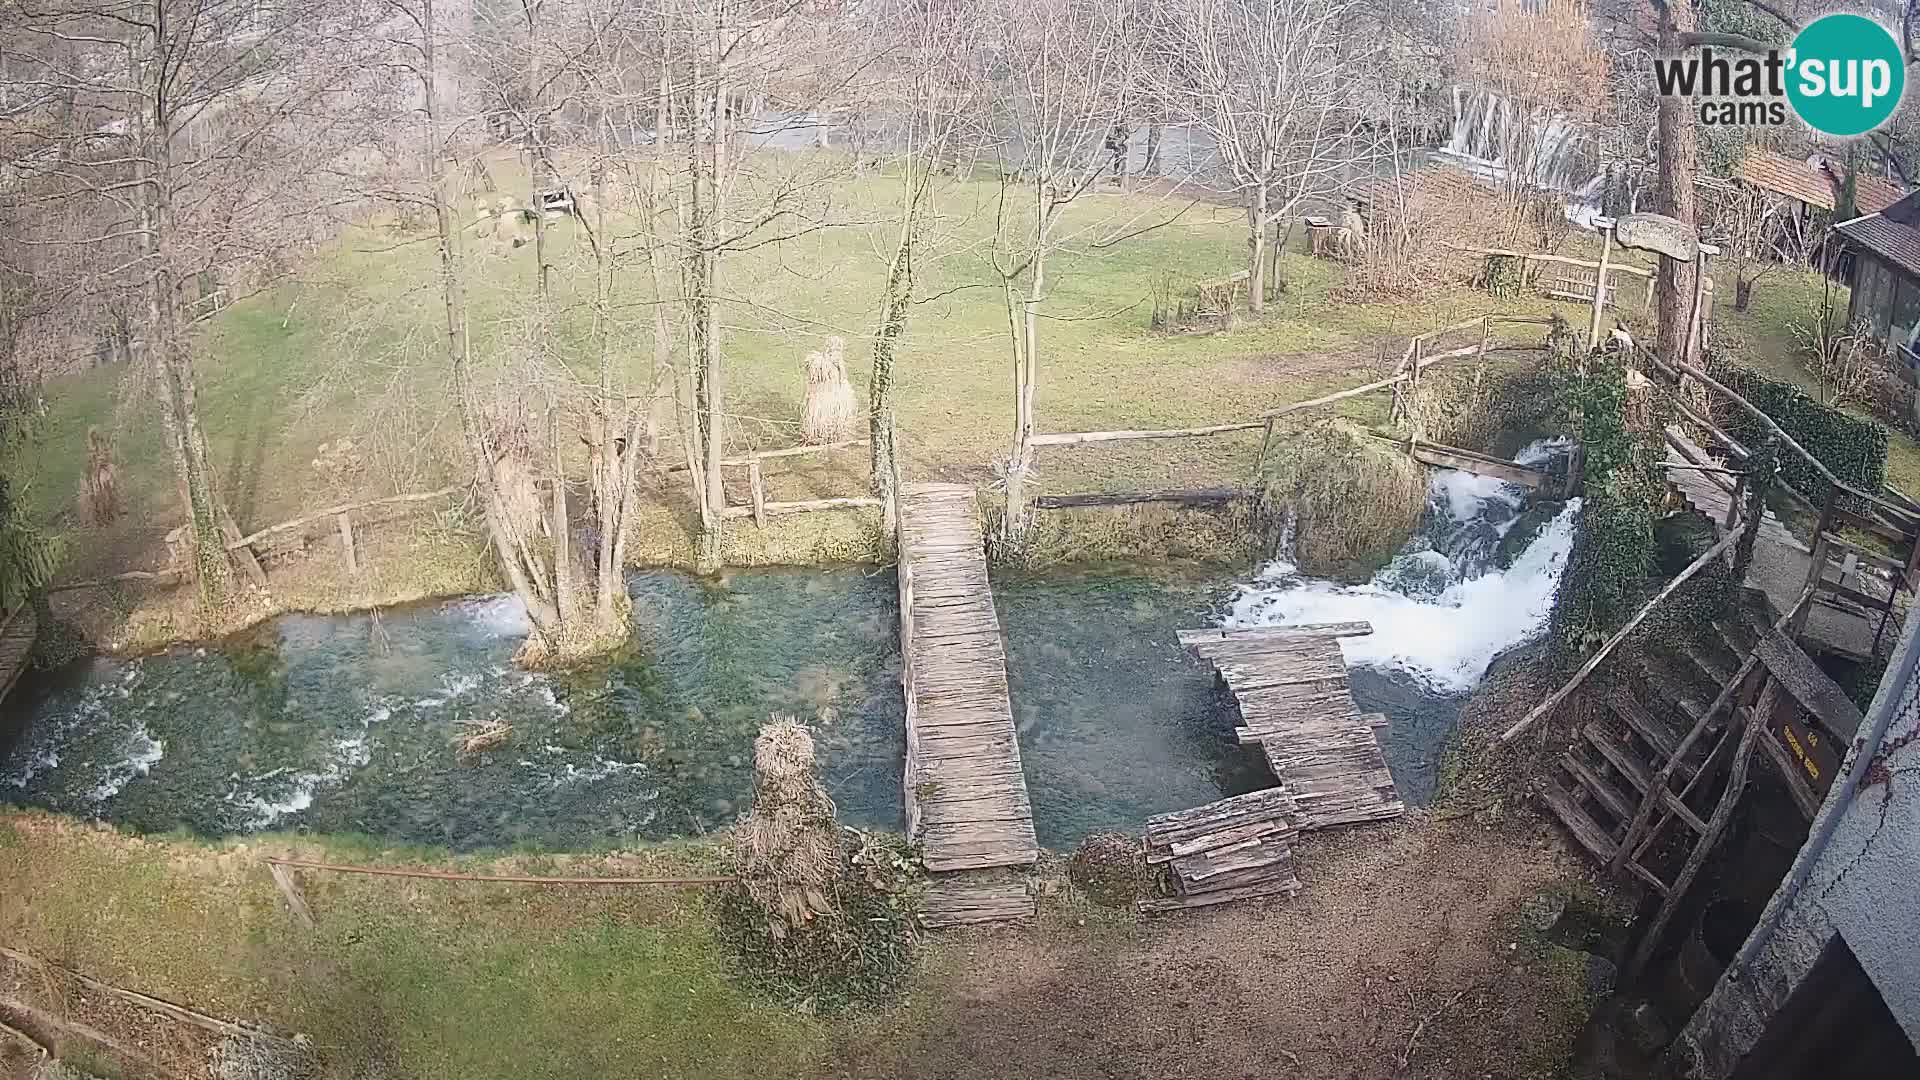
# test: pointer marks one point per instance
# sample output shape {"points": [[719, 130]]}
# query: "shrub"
{"points": [[1351, 501], [1855, 449], [1110, 869]]}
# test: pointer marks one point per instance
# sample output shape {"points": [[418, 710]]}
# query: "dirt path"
{"points": [[1422, 921]]}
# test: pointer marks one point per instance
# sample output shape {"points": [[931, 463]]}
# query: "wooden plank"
{"points": [[1273, 633], [1584, 829], [1286, 886], [1618, 756], [1603, 792], [1802, 680]]}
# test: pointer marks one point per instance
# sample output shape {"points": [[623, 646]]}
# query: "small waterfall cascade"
{"points": [[1553, 152]]}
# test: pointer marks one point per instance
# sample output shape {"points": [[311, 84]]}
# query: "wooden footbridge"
{"points": [[965, 793], [1290, 683]]}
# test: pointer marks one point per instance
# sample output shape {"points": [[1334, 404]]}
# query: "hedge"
{"points": [[1855, 449]]}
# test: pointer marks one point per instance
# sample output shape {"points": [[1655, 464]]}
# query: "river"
{"points": [[349, 724]]}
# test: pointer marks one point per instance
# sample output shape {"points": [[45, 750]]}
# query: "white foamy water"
{"points": [[92, 752], [1442, 610]]}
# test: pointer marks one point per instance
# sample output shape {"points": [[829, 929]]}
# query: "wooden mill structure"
{"points": [[1653, 779]]}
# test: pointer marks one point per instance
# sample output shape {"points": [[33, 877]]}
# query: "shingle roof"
{"points": [[1871, 194], [1784, 176], [1893, 241]]}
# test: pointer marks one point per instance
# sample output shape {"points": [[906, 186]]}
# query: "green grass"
{"points": [[417, 979], [352, 350]]}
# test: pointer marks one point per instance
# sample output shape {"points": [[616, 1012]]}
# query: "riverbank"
{"points": [[1425, 942]]}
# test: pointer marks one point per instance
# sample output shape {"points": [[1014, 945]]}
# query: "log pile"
{"points": [[1234, 849]]}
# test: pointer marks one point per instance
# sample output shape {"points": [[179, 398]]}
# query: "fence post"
{"points": [[1260, 462], [757, 487]]}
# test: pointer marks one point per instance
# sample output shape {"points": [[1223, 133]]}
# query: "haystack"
{"points": [[791, 843], [828, 415]]}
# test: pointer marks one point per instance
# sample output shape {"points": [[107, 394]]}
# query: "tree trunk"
{"points": [[506, 545], [1742, 292], [167, 347], [1257, 250], [1673, 289], [1153, 150], [894, 305]]}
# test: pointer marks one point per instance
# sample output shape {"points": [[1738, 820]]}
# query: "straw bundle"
{"points": [[791, 841], [828, 414]]}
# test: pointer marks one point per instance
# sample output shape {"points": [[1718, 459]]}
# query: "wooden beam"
{"points": [[1449, 457], [1079, 438], [1541, 256], [1274, 633], [1184, 497], [334, 511], [1619, 635], [757, 491], [164, 577], [775, 509]]}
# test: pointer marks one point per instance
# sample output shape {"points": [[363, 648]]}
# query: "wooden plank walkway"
{"points": [[1781, 562], [965, 791], [16, 645], [1291, 686]]}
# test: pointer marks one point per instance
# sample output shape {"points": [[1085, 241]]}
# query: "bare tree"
{"points": [[199, 138], [1066, 72], [930, 72], [1279, 88], [1744, 220]]}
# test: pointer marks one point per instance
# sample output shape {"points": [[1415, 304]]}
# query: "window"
{"points": [[1906, 313]]}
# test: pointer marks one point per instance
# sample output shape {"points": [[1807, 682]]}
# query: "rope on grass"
{"points": [[517, 879]]}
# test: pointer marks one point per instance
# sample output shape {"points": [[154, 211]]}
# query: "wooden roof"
{"points": [[1798, 180]]}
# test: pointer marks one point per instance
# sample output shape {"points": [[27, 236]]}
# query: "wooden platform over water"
{"points": [[966, 795], [1291, 685], [16, 645]]}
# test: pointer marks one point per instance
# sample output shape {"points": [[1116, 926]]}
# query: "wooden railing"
{"points": [[759, 507], [1413, 362]]}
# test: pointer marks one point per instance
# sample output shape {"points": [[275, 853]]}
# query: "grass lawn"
{"points": [[352, 350]]}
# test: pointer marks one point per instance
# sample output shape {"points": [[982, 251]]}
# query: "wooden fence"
{"points": [[1406, 374], [759, 507]]}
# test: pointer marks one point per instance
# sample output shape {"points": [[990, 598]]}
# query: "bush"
{"points": [[1110, 869], [1351, 501], [1855, 449]]}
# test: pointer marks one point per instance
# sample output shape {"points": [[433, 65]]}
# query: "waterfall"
{"points": [[1444, 607], [1556, 154]]}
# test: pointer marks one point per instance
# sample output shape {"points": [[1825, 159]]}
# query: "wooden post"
{"points": [[757, 487], [1646, 299], [1260, 461], [1691, 339], [290, 891], [1739, 499], [347, 554], [1480, 371], [1600, 289]]}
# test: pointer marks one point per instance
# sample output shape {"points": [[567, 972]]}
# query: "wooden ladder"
{"points": [[1622, 784]]}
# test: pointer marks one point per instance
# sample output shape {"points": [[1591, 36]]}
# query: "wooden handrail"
{"points": [[1678, 368], [334, 511], [1619, 635]]}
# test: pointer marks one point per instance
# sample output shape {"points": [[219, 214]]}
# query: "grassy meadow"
{"points": [[351, 349]]}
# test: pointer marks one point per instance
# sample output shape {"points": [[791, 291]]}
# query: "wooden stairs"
{"points": [[1662, 719]]}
